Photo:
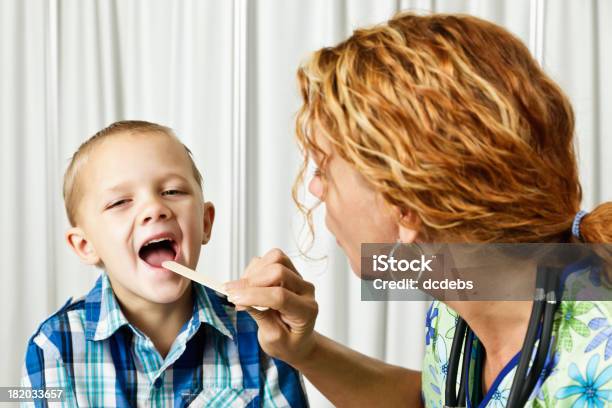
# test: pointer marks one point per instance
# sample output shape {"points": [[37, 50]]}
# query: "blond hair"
{"points": [[449, 116], [72, 185]]}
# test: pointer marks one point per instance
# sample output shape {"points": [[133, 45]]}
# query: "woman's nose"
{"points": [[155, 211], [316, 187]]}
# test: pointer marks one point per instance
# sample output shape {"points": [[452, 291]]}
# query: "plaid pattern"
{"points": [[102, 360]]}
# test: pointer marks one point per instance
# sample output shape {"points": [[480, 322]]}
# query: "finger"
{"points": [[235, 284], [279, 275], [255, 308], [273, 275], [269, 321], [276, 255], [253, 263], [277, 298]]}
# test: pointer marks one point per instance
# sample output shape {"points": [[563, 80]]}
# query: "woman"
{"points": [[437, 128]]}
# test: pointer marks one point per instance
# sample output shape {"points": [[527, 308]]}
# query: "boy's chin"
{"points": [[161, 285], [166, 293]]}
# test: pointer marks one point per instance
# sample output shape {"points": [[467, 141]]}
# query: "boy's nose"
{"points": [[155, 211]]}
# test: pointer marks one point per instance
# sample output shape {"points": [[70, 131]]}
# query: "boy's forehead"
{"points": [[125, 157]]}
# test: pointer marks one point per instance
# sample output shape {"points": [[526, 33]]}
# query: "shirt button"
{"points": [[158, 383]]}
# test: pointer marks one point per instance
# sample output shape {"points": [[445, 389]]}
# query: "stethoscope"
{"points": [[543, 310]]}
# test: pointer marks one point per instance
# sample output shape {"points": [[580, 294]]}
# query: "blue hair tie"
{"points": [[576, 224]]}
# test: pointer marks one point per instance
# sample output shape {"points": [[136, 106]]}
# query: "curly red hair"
{"points": [[450, 117]]}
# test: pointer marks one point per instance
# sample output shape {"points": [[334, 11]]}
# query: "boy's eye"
{"points": [[116, 203], [172, 192]]}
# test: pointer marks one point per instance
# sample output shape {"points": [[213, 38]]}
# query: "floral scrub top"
{"points": [[578, 372]]}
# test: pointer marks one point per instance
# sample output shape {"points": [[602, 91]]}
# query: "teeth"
{"points": [[157, 240]]}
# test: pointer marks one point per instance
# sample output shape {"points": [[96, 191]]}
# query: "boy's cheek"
{"points": [[113, 240]]}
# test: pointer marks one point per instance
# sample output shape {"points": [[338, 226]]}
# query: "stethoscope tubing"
{"points": [[540, 322]]}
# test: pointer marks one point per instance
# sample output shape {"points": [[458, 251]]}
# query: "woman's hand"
{"points": [[286, 330]]}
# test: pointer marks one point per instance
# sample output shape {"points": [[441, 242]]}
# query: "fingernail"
{"points": [[227, 286], [233, 285]]}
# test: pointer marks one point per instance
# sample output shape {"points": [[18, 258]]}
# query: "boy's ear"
{"points": [[81, 246], [209, 219]]}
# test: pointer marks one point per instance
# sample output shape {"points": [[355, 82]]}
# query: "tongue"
{"points": [[156, 256]]}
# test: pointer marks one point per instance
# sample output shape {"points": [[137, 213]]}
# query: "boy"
{"points": [[145, 336]]}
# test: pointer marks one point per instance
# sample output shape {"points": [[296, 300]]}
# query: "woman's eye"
{"points": [[117, 203], [317, 172]]}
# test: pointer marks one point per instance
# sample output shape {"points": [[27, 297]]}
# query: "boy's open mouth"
{"points": [[157, 251]]}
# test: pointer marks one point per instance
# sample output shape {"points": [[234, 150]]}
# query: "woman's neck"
{"points": [[500, 326]]}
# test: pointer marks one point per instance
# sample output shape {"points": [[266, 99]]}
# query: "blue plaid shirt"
{"points": [[89, 348]]}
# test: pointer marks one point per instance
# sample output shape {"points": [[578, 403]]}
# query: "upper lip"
{"points": [[167, 234]]}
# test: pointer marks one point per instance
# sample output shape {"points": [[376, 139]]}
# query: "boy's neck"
{"points": [[160, 322]]}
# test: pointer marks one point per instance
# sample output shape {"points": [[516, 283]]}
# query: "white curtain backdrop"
{"points": [[222, 74]]}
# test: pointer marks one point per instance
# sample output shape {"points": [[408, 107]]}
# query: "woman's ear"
{"points": [[408, 226], [208, 220], [79, 243]]}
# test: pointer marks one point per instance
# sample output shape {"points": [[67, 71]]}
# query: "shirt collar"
{"points": [[585, 280], [209, 308], [103, 315]]}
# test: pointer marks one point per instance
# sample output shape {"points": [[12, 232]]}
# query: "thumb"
{"points": [[266, 320]]}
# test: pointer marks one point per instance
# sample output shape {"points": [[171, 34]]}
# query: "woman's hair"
{"points": [[450, 117]]}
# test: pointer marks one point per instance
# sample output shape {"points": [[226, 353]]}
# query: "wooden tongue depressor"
{"points": [[198, 277]]}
